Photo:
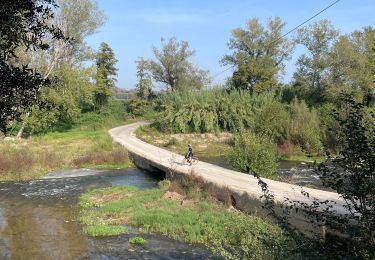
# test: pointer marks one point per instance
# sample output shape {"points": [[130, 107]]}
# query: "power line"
{"points": [[285, 34]]}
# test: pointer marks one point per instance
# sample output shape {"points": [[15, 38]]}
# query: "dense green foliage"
{"points": [[254, 154], [217, 110], [352, 174], [105, 75], [258, 55], [22, 24]]}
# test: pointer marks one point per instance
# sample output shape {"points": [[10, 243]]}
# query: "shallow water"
{"points": [[38, 220]]}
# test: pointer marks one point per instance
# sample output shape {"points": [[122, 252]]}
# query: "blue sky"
{"points": [[133, 27]]}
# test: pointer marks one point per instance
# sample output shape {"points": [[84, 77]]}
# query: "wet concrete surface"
{"points": [[38, 220]]}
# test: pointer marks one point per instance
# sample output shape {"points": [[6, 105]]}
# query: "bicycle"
{"points": [[193, 160]]}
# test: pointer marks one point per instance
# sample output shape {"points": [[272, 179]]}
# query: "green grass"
{"points": [[137, 241], [104, 230], [200, 220]]}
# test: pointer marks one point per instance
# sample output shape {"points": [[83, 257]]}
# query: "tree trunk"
{"points": [[20, 132]]}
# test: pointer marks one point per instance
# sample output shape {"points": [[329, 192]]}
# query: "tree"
{"points": [[144, 79], [310, 79], [61, 103], [258, 55], [23, 23], [105, 75], [352, 174], [352, 66], [173, 67]]}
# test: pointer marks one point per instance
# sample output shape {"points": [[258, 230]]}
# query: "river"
{"points": [[38, 220]]}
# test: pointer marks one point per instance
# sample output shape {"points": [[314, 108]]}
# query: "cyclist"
{"points": [[189, 154]]}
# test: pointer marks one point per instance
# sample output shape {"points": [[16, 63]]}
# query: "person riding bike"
{"points": [[189, 154]]}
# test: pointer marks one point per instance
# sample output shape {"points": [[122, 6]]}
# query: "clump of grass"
{"points": [[172, 141], [164, 184], [104, 230], [200, 220], [137, 241]]}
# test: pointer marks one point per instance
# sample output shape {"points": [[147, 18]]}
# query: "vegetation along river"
{"points": [[38, 220]]}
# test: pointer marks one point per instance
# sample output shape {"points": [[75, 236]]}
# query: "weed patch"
{"points": [[105, 230], [137, 241]]}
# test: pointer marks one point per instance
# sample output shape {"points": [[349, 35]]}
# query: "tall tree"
{"points": [[173, 68], [106, 74], [352, 65], [258, 55], [23, 23], [77, 19], [144, 78], [311, 77]]}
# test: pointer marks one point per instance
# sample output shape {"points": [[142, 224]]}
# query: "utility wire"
{"points": [[285, 34]]}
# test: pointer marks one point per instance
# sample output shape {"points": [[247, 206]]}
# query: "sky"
{"points": [[132, 28]]}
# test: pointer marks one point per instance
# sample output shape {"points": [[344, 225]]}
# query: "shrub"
{"points": [[304, 127], [254, 153], [138, 107], [172, 141]]}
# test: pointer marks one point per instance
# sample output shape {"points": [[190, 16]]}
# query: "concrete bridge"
{"points": [[243, 188]]}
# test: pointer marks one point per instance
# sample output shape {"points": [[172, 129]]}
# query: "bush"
{"points": [[328, 125], [304, 127], [138, 107], [253, 153]]}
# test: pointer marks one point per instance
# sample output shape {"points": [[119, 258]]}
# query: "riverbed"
{"points": [[38, 220]]}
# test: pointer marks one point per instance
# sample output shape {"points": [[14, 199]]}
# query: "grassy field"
{"points": [[188, 214], [79, 147]]}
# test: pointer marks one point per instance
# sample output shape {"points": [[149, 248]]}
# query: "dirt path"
{"points": [[240, 183]]}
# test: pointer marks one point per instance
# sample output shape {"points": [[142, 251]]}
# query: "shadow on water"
{"points": [[38, 220]]}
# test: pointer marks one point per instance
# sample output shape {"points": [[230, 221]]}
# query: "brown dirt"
{"points": [[174, 196]]}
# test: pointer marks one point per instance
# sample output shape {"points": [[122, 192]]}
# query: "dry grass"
{"points": [[30, 159], [100, 158]]}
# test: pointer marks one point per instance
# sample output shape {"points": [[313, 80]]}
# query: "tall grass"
{"points": [[217, 110]]}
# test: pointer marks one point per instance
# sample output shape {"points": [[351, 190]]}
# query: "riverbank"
{"points": [[83, 146], [186, 212]]}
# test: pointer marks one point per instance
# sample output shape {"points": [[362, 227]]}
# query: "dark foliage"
{"points": [[352, 176], [23, 23]]}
